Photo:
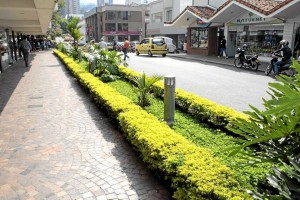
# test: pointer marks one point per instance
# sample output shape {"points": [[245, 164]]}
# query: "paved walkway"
{"points": [[56, 144]]}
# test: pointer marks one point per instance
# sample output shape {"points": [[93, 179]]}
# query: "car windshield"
{"points": [[158, 41]]}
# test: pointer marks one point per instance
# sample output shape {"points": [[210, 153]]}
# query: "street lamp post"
{"points": [[147, 21]]}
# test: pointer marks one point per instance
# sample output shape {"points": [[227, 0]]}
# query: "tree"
{"points": [[57, 23], [275, 135]]}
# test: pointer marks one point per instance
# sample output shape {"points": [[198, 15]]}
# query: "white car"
{"points": [[169, 41]]}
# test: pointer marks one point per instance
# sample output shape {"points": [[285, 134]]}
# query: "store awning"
{"points": [[30, 17]]}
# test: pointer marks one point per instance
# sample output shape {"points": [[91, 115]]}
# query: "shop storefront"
{"points": [[202, 39], [261, 35]]}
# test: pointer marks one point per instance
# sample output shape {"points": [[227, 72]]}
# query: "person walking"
{"points": [[125, 48], [223, 48], [114, 43], [25, 47], [102, 44]]}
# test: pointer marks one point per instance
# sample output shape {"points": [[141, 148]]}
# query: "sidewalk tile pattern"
{"points": [[56, 144]]}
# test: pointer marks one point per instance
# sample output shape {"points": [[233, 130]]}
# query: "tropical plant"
{"points": [[144, 85], [73, 29], [275, 133]]}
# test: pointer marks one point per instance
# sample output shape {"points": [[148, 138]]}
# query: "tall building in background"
{"points": [[128, 2], [104, 2], [72, 7]]}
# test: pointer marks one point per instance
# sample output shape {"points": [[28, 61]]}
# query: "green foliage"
{"points": [[201, 135], [275, 133], [144, 85], [57, 22], [106, 65], [73, 30], [193, 171], [200, 108]]}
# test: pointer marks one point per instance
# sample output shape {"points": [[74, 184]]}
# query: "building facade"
{"points": [[72, 7], [115, 22], [104, 2], [260, 24], [165, 11]]}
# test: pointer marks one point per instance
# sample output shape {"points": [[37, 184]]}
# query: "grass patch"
{"points": [[200, 134]]}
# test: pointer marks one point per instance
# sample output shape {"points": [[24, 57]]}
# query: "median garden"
{"points": [[211, 151]]}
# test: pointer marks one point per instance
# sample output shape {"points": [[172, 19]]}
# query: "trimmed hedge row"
{"points": [[193, 171], [200, 108]]}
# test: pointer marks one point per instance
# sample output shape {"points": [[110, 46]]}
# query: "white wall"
{"points": [[214, 3], [290, 28]]}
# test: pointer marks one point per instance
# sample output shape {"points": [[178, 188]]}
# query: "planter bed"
{"points": [[193, 171]]}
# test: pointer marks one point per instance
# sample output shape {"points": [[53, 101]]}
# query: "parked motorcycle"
{"points": [[285, 69], [247, 61]]}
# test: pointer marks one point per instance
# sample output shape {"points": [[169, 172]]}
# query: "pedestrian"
{"points": [[125, 48], [223, 48], [25, 48], [184, 47], [114, 43], [102, 44]]}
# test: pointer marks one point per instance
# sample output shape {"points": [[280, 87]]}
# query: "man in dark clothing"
{"points": [[223, 48], [287, 54], [25, 47]]}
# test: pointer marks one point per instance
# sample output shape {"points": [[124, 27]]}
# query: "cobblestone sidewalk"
{"points": [[55, 144]]}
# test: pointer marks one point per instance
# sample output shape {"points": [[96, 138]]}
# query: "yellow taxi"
{"points": [[152, 46]]}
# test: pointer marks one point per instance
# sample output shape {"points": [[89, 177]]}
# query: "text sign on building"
{"points": [[202, 24], [251, 18]]}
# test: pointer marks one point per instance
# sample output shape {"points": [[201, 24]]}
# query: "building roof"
{"points": [[204, 13], [265, 7], [234, 8]]}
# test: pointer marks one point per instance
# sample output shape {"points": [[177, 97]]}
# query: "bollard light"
{"points": [[79, 55], [169, 99]]}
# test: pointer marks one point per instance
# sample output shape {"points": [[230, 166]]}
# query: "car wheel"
{"points": [[137, 52], [164, 55], [150, 53]]}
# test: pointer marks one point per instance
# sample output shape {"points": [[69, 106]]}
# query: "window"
{"points": [[157, 17], [199, 38], [169, 15], [110, 27], [122, 26], [110, 15], [116, 15]]}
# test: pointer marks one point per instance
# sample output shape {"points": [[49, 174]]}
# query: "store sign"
{"points": [[251, 18], [202, 24]]}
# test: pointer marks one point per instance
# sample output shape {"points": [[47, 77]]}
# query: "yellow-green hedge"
{"points": [[201, 108], [194, 172]]}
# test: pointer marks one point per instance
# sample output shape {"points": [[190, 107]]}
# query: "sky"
{"points": [[95, 1]]}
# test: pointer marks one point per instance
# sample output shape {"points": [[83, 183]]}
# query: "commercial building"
{"points": [[104, 2], [115, 22], [162, 11], [260, 24]]}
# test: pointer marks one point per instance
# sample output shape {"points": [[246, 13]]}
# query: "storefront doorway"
{"points": [[231, 43]]}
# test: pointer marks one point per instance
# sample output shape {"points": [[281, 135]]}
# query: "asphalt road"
{"points": [[225, 85]]}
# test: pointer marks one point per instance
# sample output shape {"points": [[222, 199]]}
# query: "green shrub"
{"points": [[193, 171]]}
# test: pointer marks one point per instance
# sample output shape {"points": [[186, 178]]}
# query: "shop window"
{"points": [[122, 26], [198, 38], [110, 27]]}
